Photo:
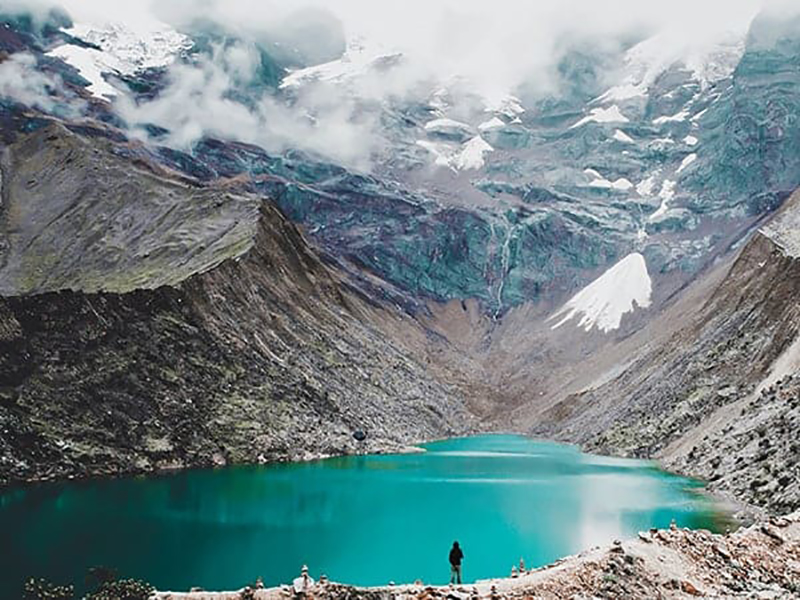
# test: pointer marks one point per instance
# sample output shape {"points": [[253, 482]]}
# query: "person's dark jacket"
{"points": [[455, 556]]}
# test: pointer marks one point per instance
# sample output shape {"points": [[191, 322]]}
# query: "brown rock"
{"points": [[688, 588]]}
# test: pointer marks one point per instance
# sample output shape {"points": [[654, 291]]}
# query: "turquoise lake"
{"points": [[360, 519]]}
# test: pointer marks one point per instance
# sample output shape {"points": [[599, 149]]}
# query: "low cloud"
{"points": [[21, 82], [489, 48], [202, 99]]}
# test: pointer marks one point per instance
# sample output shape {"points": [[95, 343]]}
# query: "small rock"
{"points": [[770, 532], [722, 552], [688, 588]]}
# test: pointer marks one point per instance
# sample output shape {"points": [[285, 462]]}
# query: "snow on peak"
{"points": [[123, 51], [359, 59], [616, 292], [709, 58], [612, 114]]}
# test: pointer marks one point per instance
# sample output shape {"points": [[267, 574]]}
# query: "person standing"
{"points": [[456, 556]]}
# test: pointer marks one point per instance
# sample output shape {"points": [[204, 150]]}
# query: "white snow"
{"points": [[686, 162], [699, 115], [666, 194], [599, 181], [463, 157], [677, 117], [90, 64], [645, 187], [621, 136], [690, 140], [506, 105], [624, 91], [662, 142], [612, 114], [493, 123], [123, 51], [442, 153], [616, 292], [358, 59], [446, 125], [710, 57], [471, 157]]}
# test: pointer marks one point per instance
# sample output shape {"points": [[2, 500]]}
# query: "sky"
{"points": [[496, 46]]}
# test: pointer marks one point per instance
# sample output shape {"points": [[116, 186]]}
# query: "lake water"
{"points": [[361, 519]]}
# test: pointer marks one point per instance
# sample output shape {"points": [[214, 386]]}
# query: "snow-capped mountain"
{"points": [[117, 49], [515, 196]]}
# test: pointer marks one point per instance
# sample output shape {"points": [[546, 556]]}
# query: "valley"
{"points": [[222, 248]]}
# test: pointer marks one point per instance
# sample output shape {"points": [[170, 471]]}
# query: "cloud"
{"points": [[22, 82], [203, 98], [496, 45], [490, 48]]}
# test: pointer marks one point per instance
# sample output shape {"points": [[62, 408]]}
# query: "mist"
{"points": [[491, 49]]}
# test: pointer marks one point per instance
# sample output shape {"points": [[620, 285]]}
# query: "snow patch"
{"points": [[645, 187], [625, 91], [621, 136], [471, 157], [690, 140], [91, 64], [615, 293], [699, 115], [599, 181], [677, 117], [612, 114], [666, 194], [442, 152], [686, 162]]}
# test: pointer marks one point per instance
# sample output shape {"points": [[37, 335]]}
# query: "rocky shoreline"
{"points": [[760, 561]]}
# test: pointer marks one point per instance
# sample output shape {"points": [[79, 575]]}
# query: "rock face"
{"points": [[210, 333]]}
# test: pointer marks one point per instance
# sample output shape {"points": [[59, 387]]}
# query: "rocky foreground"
{"points": [[761, 561]]}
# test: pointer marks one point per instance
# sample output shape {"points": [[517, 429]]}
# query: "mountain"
{"points": [[712, 388], [219, 247], [149, 321]]}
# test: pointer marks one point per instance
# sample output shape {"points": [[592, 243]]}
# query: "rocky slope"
{"points": [[717, 398], [148, 321], [758, 562]]}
